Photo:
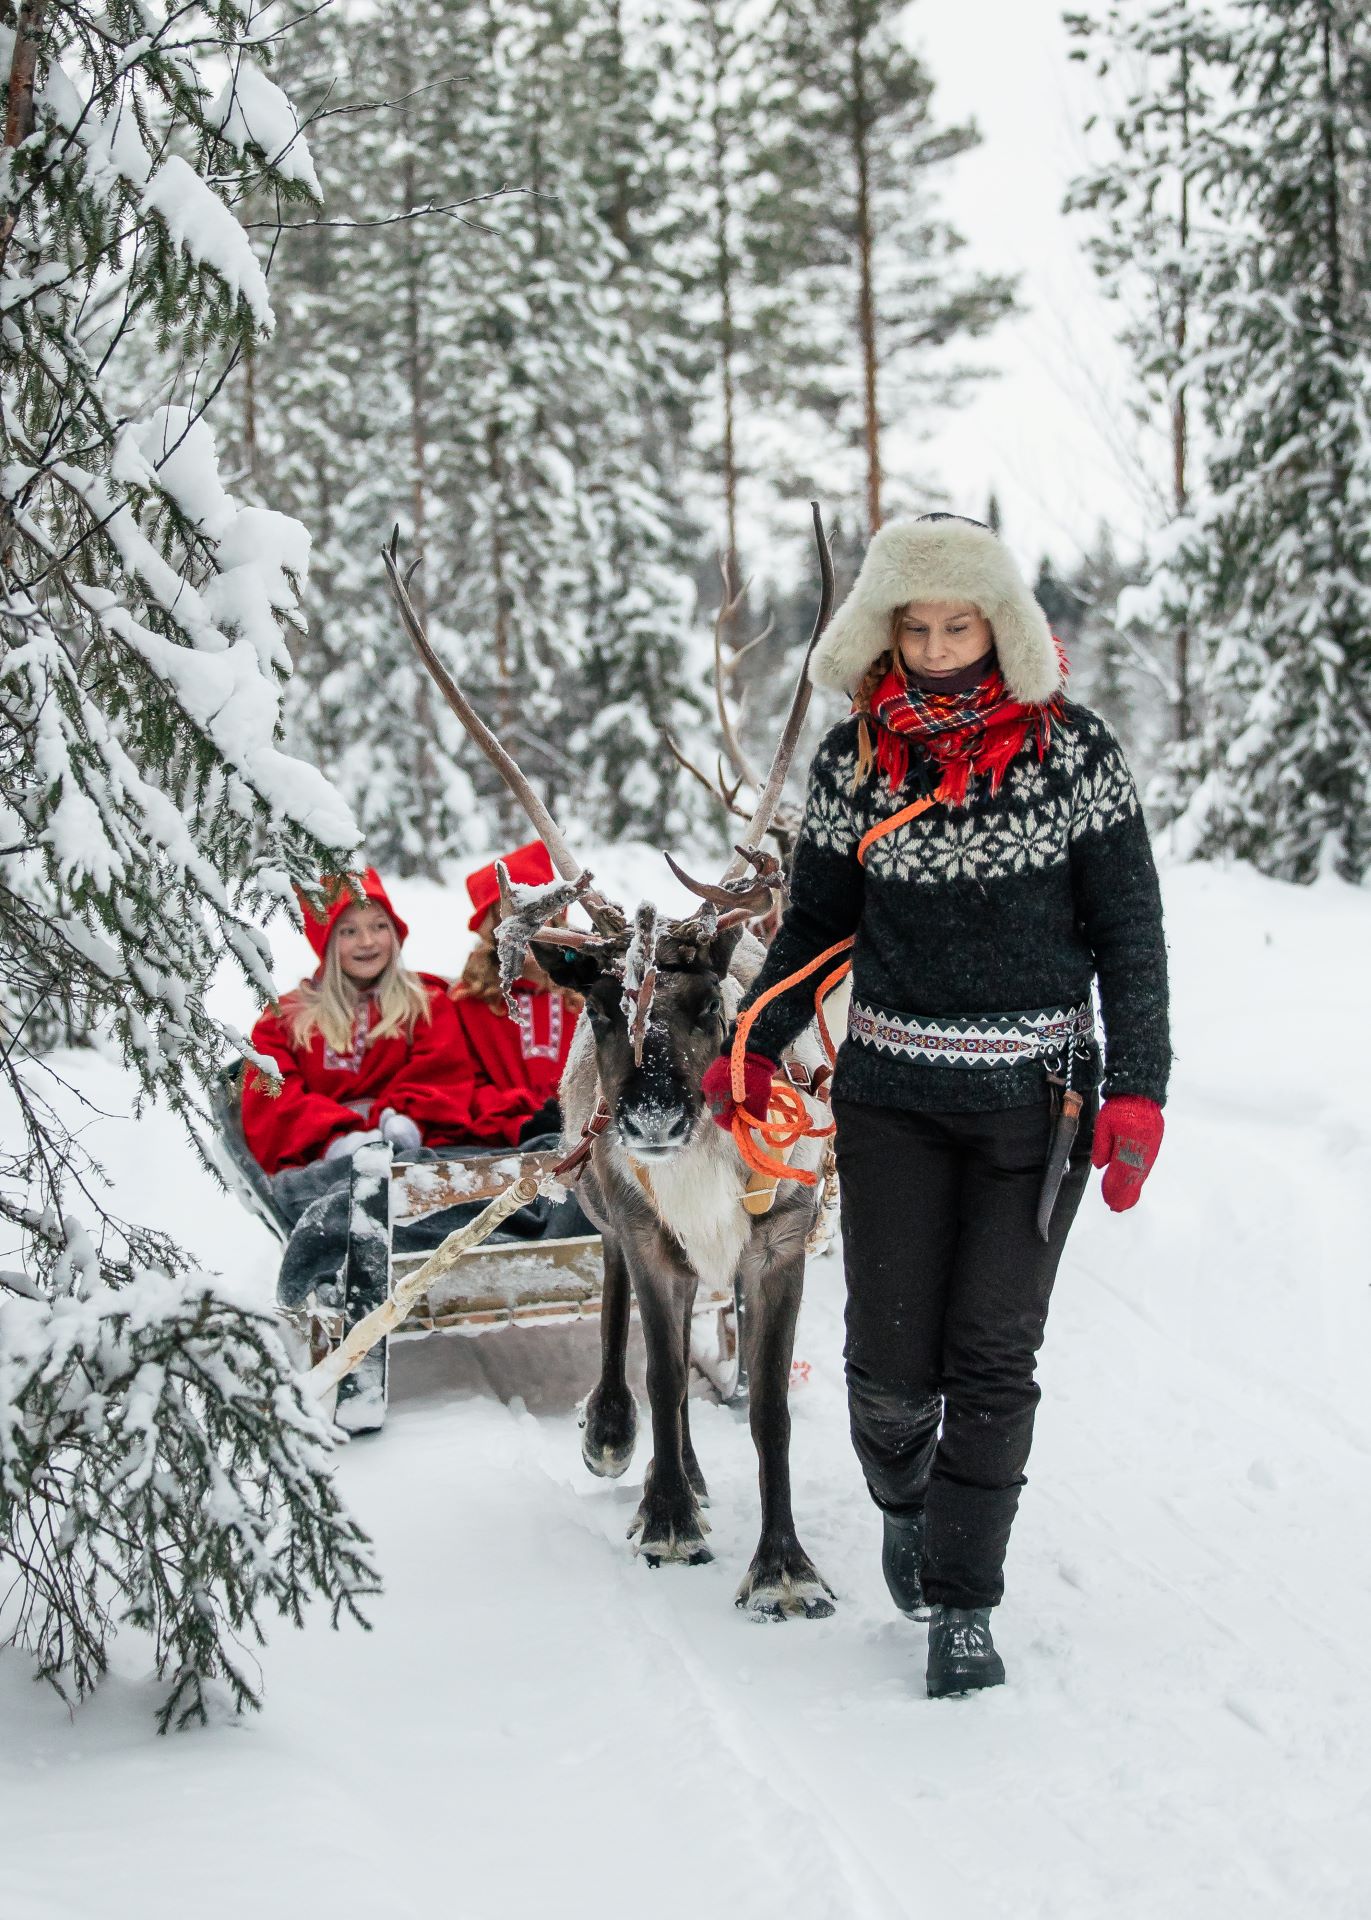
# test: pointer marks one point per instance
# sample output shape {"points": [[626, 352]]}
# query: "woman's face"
{"points": [[366, 942], [943, 636]]}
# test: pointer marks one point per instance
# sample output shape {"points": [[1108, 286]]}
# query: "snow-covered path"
{"points": [[538, 1724]]}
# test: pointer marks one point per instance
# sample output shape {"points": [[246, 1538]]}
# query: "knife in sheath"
{"points": [[1058, 1157]]}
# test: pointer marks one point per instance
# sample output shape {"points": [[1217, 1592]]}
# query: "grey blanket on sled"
{"points": [[315, 1200]]}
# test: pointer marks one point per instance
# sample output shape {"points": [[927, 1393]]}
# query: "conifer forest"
{"points": [[340, 338]]}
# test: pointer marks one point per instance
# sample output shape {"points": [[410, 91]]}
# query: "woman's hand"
{"points": [[717, 1087], [1128, 1136]]}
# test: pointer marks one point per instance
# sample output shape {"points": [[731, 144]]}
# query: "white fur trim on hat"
{"points": [[940, 559]]}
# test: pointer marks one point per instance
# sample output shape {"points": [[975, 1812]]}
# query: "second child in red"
{"points": [[511, 1068]]}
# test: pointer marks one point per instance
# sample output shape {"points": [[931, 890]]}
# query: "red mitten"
{"points": [[1128, 1136], [717, 1087]]}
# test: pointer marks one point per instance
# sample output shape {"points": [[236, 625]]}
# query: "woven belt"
{"points": [[1003, 1040]]}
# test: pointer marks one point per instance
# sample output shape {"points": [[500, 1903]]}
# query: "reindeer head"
{"points": [[655, 1030]]}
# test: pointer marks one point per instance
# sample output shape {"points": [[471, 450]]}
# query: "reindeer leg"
{"points": [[688, 1460], [782, 1581], [609, 1417], [668, 1524]]}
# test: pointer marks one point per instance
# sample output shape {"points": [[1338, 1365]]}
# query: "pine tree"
{"points": [[717, 64], [1144, 246], [357, 403], [528, 461], [868, 293], [1269, 566], [1282, 546], [157, 1462]]}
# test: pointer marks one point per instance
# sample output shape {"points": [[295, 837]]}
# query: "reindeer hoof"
{"points": [[664, 1531], [785, 1586], [609, 1432]]}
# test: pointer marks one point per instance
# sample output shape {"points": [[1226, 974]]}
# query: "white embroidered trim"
{"points": [[529, 1045], [1003, 1040], [361, 1027]]}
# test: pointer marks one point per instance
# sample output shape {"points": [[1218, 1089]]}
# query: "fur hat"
{"points": [[940, 557]]}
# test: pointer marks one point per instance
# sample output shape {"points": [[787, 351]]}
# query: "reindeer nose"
{"points": [[647, 1130]]}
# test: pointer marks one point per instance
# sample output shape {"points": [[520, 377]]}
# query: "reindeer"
{"points": [[661, 1181]]}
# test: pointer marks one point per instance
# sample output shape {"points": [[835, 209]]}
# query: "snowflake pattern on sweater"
{"points": [[1017, 901], [1044, 810]]}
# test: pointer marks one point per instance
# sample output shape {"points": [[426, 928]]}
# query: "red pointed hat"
{"points": [[530, 865], [341, 897]]}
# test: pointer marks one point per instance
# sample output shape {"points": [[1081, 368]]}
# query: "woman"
{"points": [[511, 1067], [979, 924], [367, 1050]]}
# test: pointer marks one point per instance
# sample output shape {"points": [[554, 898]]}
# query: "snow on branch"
{"points": [[252, 113], [160, 1468]]}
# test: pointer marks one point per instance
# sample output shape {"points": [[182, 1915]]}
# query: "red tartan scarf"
{"points": [[976, 732]]}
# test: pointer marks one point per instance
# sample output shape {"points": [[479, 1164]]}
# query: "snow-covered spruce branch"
{"points": [[159, 1466]]}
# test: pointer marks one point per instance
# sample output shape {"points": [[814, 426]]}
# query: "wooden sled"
{"points": [[501, 1283]]}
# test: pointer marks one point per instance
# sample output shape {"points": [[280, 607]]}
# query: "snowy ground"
{"points": [[539, 1725]]}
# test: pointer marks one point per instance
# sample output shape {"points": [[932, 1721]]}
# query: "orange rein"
{"points": [[786, 1121]]}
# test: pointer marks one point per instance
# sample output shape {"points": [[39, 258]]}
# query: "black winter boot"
{"points": [[902, 1560], [961, 1653]]}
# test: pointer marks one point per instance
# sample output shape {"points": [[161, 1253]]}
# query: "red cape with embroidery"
{"points": [[324, 1094], [511, 1068]]}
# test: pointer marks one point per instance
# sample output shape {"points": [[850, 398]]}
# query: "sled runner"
{"points": [[504, 1282]]}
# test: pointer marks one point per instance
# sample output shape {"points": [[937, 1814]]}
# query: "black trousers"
{"points": [[948, 1285]]}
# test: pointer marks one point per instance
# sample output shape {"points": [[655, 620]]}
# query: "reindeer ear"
{"points": [[566, 966], [722, 948]]}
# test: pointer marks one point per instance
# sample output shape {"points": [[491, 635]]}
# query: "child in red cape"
{"points": [[511, 1068], [367, 1050]]}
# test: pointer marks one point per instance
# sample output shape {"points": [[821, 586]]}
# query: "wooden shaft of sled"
{"points": [[385, 1318]]}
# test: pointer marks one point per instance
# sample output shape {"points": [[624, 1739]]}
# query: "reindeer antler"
{"points": [[603, 914], [736, 891], [640, 975], [718, 788], [766, 805], [524, 910], [744, 774], [729, 605], [750, 892]]}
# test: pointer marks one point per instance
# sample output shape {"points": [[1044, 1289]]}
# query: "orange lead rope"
{"points": [[786, 1121]]}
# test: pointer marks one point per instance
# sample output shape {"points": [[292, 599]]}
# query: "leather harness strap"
{"points": [[896, 820], [786, 1122]]}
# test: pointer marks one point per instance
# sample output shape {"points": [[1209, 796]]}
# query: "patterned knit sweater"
{"points": [[1012, 903]]}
